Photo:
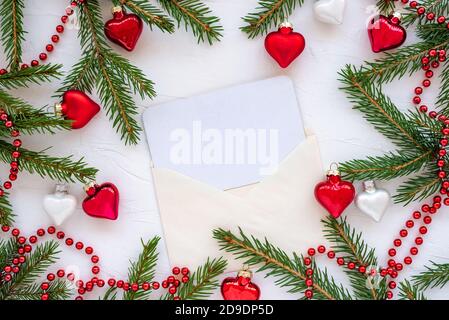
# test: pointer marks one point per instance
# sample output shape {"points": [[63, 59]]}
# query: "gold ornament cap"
{"points": [[245, 273], [117, 9], [58, 109], [286, 24], [90, 185], [333, 170]]}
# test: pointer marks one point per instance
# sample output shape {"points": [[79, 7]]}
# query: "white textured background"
{"points": [[181, 68]]}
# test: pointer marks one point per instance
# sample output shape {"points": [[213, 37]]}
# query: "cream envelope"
{"points": [[281, 208]]}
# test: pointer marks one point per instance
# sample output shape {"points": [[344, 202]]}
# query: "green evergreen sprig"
{"points": [[203, 281], [22, 285], [381, 112], [419, 187], [6, 214], [12, 31], [196, 16], [415, 135], [288, 271], [349, 244], [439, 7], [114, 77], [437, 275], [395, 65], [59, 169], [150, 14], [385, 6], [143, 270], [269, 14], [408, 291], [27, 76]]}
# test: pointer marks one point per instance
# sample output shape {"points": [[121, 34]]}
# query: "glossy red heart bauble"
{"points": [[284, 45], [335, 195], [124, 29], [102, 201], [78, 107], [386, 33], [239, 288]]}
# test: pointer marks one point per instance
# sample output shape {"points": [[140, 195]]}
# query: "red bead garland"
{"points": [[431, 61], [15, 154], [171, 283], [54, 39]]}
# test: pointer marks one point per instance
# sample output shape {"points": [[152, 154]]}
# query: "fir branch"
{"points": [[58, 290], [418, 188], [349, 245], [91, 33], [28, 119], [385, 6], [8, 251], [115, 96], [133, 75], [289, 272], [27, 76], [408, 291], [404, 61], [429, 128], [203, 281], [110, 294], [83, 75], [443, 96], [15, 106], [6, 215], [437, 275], [59, 169], [380, 111], [433, 32], [143, 270], [439, 7], [39, 123], [37, 262], [269, 14], [194, 14], [386, 167], [150, 14], [12, 32]]}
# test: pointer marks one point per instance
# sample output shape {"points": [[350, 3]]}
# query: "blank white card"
{"points": [[227, 138]]}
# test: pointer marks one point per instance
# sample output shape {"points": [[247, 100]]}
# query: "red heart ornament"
{"points": [[124, 29], [335, 195], [386, 33], [239, 288], [78, 107], [102, 201], [284, 45]]}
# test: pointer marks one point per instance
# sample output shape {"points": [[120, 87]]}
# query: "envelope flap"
{"points": [[281, 208]]}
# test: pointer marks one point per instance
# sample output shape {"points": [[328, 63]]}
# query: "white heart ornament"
{"points": [[373, 202], [330, 11], [60, 205]]}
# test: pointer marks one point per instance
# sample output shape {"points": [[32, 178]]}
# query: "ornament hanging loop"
{"points": [[333, 169]]}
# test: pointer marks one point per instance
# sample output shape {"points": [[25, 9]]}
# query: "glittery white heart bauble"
{"points": [[373, 202], [60, 205], [330, 11]]}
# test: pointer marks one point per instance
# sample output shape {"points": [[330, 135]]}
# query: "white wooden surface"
{"points": [[181, 68]]}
